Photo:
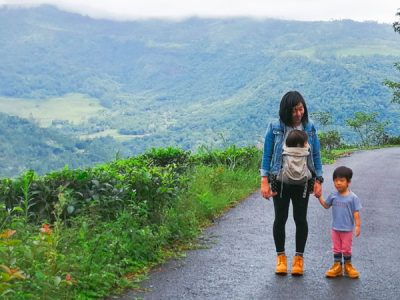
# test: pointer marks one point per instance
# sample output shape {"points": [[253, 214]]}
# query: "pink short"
{"points": [[342, 241]]}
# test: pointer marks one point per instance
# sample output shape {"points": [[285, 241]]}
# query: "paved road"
{"points": [[240, 258]]}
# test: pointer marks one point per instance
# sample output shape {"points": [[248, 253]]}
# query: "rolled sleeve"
{"points": [[267, 152], [317, 156]]}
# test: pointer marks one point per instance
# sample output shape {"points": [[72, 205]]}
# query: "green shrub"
{"points": [[393, 140], [168, 156], [232, 157]]}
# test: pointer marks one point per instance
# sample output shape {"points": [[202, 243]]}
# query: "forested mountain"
{"points": [[23, 144], [154, 83]]}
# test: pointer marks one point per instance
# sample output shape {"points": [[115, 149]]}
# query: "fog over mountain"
{"points": [[301, 10]]}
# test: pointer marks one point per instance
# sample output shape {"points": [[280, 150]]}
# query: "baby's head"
{"points": [[296, 138]]}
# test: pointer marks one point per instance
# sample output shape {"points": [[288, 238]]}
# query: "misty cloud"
{"points": [[307, 10]]}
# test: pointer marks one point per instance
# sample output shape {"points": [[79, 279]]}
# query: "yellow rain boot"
{"points": [[298, 266], [281, 265], [350, 271], [335, 271]]}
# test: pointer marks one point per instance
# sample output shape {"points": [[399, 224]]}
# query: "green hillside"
{"points": [[24, 145], [216, 82]]}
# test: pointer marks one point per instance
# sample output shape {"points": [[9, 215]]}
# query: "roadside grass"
{"points": [[218, 189], [329, 157]]}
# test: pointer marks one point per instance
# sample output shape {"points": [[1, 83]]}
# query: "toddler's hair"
{"points": [[343, 172], [296, 138]]}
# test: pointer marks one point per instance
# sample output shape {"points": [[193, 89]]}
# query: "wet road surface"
{"points": [[239, 259]]}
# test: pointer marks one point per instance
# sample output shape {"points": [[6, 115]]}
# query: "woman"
{"points": [[293, 114]]}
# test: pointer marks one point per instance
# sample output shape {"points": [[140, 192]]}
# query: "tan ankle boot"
{"points": [[335, 271], [298, 266], [350, 271], [281, 265]]}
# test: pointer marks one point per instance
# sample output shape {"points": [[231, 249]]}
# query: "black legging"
{"points": [[281, 206]]}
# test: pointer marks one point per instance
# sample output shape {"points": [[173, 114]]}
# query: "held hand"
{"points": [[357, 230], [317, 189]]}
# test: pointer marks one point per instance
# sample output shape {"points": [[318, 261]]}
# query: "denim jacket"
{"points": [[272, 155]]}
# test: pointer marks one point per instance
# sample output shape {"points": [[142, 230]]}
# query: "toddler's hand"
{"points": [[317, 189], [357, 231]]}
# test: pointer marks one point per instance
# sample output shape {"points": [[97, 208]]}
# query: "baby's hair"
{"points": [[296, 138], [343, 172]]}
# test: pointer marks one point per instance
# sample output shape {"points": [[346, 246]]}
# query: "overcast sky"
{"points": [[359, 10]]}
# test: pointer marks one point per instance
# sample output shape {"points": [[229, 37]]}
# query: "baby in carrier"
{"points": [[295, 169]]}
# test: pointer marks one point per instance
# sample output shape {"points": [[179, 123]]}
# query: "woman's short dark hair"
{"points": [[296, 138], [288, 102], [343, 172]]}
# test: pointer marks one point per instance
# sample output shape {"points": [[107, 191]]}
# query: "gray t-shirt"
{"points": [[343, 208]]}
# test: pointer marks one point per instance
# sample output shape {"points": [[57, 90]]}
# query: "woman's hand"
{"points": [[265, 189], [317, 189]]}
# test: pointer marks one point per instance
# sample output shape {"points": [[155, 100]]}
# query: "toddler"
{"points": [[345, 216]]}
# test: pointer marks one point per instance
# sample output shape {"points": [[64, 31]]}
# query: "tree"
{"points": [[370, 131], [395, 86], [396, 25], [323, 118], [329, 139]]}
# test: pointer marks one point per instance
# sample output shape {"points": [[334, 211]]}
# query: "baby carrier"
{"points": [[295, 170]]}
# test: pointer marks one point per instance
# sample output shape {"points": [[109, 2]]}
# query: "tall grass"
{"points": [[217, 188]]}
